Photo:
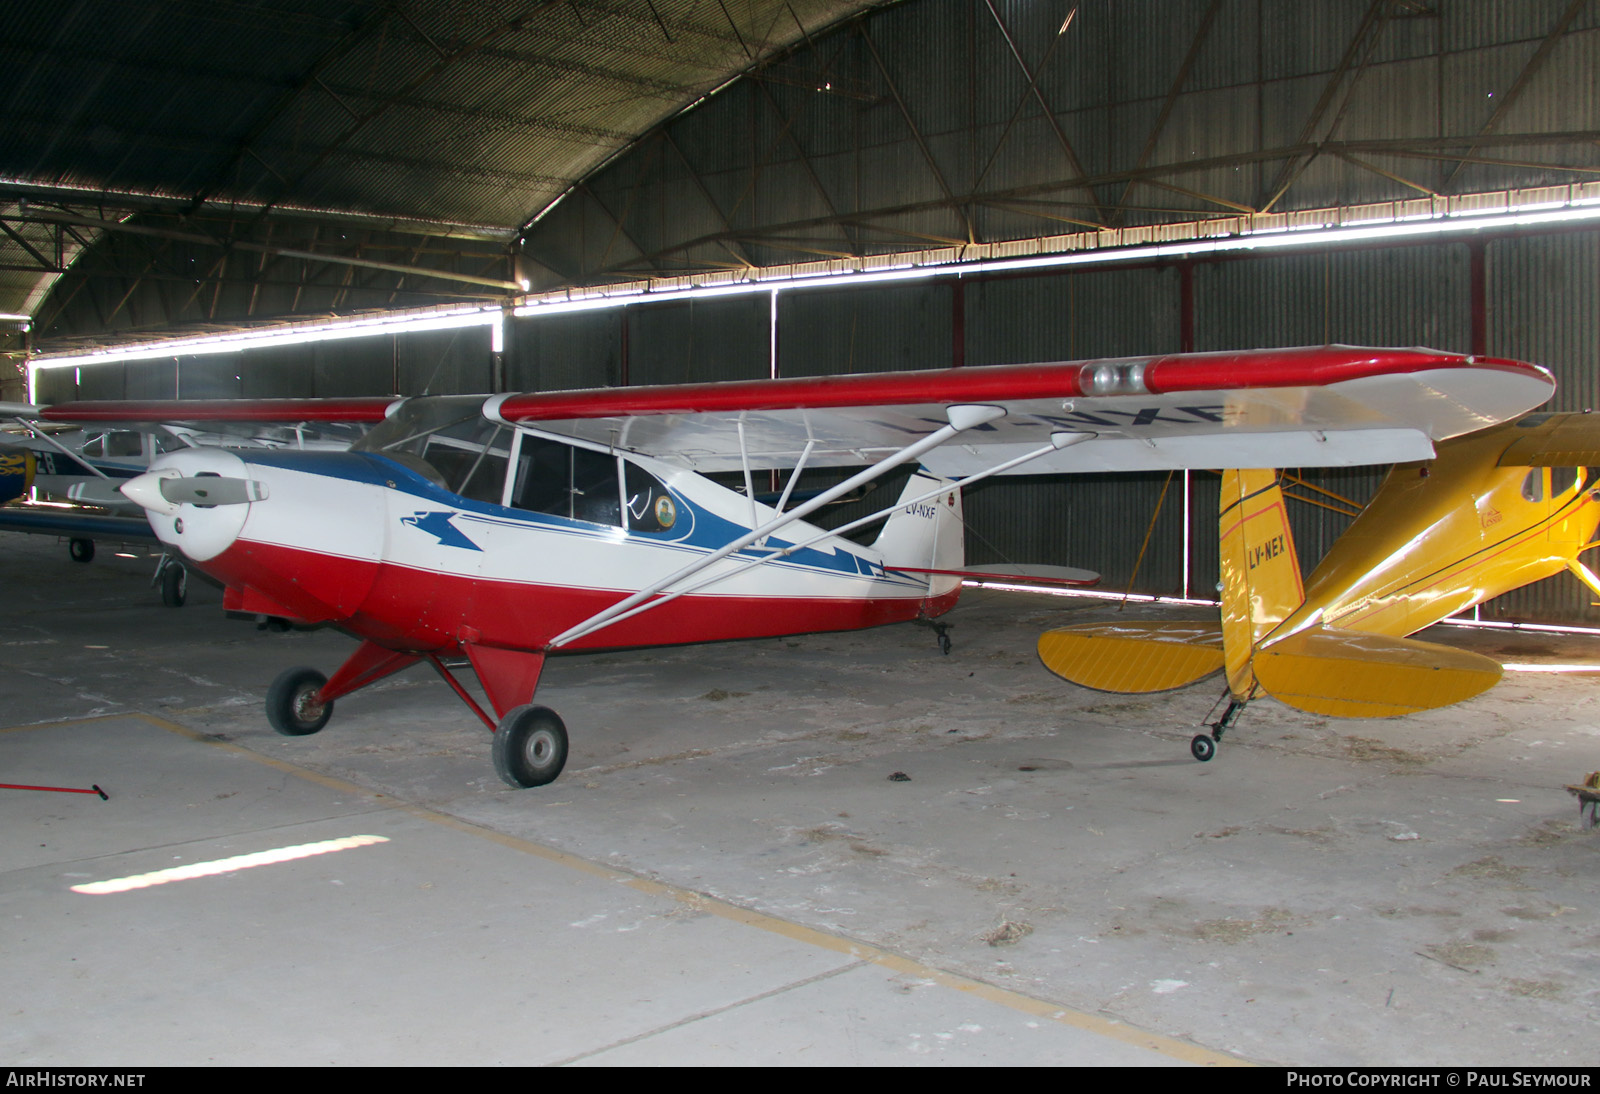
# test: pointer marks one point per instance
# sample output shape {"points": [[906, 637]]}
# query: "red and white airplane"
{"points": [[512, 527]]}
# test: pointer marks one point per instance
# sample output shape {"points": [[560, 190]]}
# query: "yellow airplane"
{"points": [[1491, 512]]}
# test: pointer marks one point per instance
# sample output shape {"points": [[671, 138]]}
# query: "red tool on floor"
{"points": [[93, 789]]}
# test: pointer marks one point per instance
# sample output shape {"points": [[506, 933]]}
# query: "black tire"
{"points": [[291, 705], [174, 584], [1203, 747], [81, 550], [530, 747]]}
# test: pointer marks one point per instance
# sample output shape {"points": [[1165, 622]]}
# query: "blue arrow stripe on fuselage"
{"points": [[708, 533]]}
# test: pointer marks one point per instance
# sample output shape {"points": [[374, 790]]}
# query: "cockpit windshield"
{"points": [[447, 440]]}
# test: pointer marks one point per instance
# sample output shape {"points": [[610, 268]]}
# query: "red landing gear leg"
{"points": [[300, 700], [530, 743]]}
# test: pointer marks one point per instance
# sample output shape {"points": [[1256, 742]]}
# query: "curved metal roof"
{"points": [[463, 119]]}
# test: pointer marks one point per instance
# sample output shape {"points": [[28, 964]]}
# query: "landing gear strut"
{"points": [[1204, 745], [530, 742]]}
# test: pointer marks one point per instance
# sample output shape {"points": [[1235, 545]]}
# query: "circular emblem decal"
{"points": [[666, 512]]}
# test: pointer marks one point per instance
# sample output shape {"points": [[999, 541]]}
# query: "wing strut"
{"points": [[1057, 441], [961, 418]]}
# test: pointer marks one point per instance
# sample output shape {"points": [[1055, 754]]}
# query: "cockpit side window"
{"points": [[1533, 485], [1562, 479], [565, 480]]}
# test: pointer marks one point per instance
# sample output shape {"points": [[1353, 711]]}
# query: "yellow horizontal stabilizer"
{"points": [[1347, 674], [1132, 658]]}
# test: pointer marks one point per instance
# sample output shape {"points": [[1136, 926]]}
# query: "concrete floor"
{"points": [[726, 872]]}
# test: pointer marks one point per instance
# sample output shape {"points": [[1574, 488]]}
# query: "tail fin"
{"points": [[926, 535], [1261, 584]]}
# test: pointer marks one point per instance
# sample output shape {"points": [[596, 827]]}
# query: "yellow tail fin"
{"points": [[1261, 582]]}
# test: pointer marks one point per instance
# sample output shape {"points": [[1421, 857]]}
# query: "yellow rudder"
{"points": [[1261, 582]]}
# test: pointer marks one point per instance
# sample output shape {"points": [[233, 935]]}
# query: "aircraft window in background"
{"points": [[116, 444], [1562, 479], [1533, 485]]}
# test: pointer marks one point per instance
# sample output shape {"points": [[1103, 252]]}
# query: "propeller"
{"points": [[164, 490]]}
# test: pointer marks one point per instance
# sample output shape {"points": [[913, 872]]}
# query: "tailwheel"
{"points": [[1204, 745], [530, 746], [294, 705]]}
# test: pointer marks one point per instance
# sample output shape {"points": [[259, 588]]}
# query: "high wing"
{"points": [[1315, 406], [134, 411], [1553, 440]]}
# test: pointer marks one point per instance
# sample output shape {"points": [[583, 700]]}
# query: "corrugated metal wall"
{"points": [[441, 362], [877, 328]]}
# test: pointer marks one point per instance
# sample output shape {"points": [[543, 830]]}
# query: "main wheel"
{"points": [[174, 584], [530, 746], [81, 550], [292, 704], [1203, 747]]}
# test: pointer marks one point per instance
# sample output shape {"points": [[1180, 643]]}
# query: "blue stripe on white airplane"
{"points": [[438, 524]]}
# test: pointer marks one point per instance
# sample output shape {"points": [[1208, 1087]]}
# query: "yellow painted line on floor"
{"points": [[1038, 1008]]}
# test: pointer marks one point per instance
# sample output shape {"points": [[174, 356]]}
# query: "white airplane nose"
{"points": [[198, 499]]}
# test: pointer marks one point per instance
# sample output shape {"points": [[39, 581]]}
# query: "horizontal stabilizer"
{"points": [[1347, 674], [1132, 658], [1046, 575]]}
